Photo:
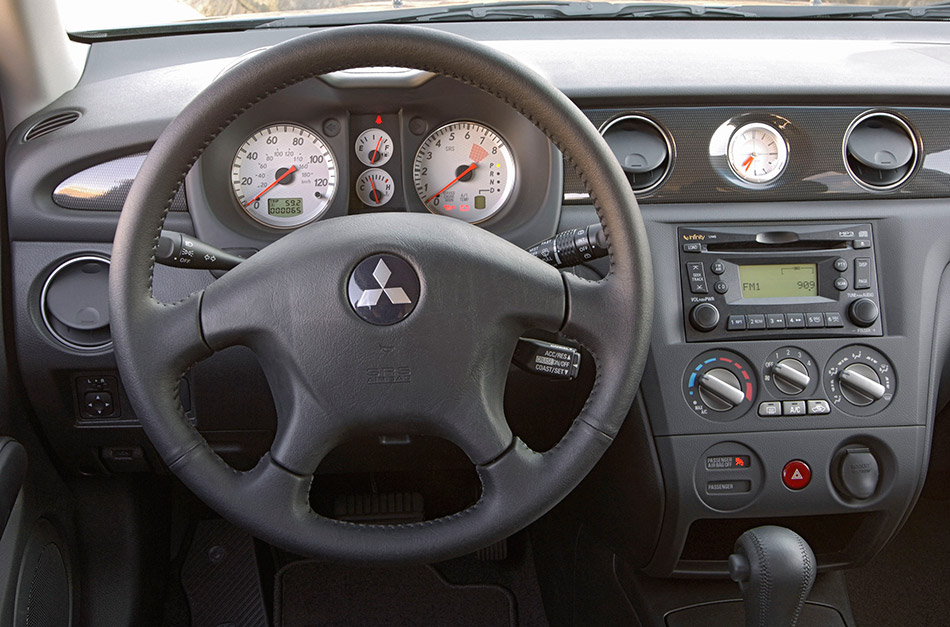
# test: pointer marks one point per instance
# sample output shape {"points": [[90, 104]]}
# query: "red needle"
{"points": [[375, 193], [292, 169], [376, 152], [454, 181], [748, 162]]}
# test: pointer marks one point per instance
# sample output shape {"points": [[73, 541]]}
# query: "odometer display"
{"points": [[284, 207], [284, 176], [464, 170]]}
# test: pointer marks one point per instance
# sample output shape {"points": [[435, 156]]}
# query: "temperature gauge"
{"points": [[375, 187], [757, 153], [374, 147]]}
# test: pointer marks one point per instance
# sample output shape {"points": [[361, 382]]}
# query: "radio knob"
{"points": [[790, 376], [860, 385], [863, 312], [704, 317], [720, 390]]}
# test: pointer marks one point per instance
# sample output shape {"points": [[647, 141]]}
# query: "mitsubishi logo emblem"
{"points": [[383, 289]]}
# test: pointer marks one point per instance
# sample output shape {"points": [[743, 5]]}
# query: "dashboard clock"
{"points": [[757, 153]]}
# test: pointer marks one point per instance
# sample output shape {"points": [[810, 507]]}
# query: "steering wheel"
{"points": [[435, 365]]}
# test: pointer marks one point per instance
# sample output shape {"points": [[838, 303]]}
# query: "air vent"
{"points": [[50, 124], [74, 303], [880, 151], [643, 149]]}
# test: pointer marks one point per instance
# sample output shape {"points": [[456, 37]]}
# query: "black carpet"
{"points": [[908, 584], [316, 594]]}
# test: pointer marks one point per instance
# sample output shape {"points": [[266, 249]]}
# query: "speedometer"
{"points": [[464, 170], [284, 176]]}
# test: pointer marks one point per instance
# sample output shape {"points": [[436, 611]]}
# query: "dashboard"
{"points": [[797, 214]]}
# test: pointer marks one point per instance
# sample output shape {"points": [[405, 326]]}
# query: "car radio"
{"points": [[804, 280]]}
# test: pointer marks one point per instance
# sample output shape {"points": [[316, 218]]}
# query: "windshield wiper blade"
{"points": [[500, 11], [939, 11]]}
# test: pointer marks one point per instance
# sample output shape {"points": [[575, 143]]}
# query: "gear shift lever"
{"points": [[775, 569]]}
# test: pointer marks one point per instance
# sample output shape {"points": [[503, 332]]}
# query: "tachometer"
{"points": [[284, 176], [464, 170]]}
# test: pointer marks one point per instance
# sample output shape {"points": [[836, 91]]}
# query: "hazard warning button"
{"points": [[796, 474]]}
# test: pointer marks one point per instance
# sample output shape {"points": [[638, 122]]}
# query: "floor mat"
{"points": [[907, 583], [317, 594]]}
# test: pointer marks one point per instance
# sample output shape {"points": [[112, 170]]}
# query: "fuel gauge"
{"points": [[757, 153], [374, 147]]}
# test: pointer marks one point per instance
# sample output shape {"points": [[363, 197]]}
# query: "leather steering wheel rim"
{"points": [[506, 293]]}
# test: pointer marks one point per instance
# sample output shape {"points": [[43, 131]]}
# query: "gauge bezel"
{"points": [[781, 143], [329, 198], [510, 184], [378, 164]]}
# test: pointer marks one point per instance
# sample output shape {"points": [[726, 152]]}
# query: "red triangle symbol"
{"points": [[797, 475]]}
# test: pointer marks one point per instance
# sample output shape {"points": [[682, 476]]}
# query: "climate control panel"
{"points": [[721, 385]]}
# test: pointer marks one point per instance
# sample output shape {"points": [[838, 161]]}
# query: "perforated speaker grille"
{"points": [[43, 589]]}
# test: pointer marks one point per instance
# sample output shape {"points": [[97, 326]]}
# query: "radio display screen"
{"points": [[779, 280]]}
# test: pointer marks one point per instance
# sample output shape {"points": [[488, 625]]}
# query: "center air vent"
{"points": [[880, 151], [50, 124], [643, 149]]}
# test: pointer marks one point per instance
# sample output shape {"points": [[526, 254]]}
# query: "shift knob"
{"points": [[775, 569]]}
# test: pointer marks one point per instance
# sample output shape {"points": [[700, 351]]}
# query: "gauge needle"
{"points": [[376, 151], [292, 169], [454, 181], [375, 193], [748, 162]]}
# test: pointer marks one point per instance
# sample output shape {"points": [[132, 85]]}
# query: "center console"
{"points": [[781, 391]]}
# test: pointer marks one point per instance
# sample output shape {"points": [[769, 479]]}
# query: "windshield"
{"points": [[105, 15]]}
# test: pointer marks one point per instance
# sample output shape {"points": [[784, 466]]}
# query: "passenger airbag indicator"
{"points": [[728, 487], [724, 462]]}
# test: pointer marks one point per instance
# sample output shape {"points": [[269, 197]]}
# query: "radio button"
{"points": [[756, 321], [814, 321], [697, 277], [736, 323], [693, 247], [841, 264], [863, 312], [717, 267], [833, 320], [795, 321], [858, 244], [721, 287], [841, 284], [704, 317], [862, 273], [775, 321]]}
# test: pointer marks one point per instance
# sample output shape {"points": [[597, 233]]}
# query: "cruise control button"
{"points": [[736, 323], [796, 474], [818, 407], [814, 320], [755, 321], [793, 408], [833, 320], [775, 321], [795, 321], [770, 409]]}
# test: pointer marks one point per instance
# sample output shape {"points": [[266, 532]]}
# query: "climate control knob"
{"points": [[790, 376], [863, 312], [720, 390], [860, 385]]}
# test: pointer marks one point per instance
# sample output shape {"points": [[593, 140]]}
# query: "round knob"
{"points": [[704, 317], [860, 385], [863, 312], [720, 390], [790, 376]]}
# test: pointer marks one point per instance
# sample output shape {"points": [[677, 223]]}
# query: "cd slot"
{"points": [[799, 246]]}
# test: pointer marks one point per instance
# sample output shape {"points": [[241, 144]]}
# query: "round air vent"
{"points": [[643, 149], [880, 151], [75, 303]]}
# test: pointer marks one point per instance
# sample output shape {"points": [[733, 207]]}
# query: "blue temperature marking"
{"points": [[709, 361], [692, 380], [699, 367]]}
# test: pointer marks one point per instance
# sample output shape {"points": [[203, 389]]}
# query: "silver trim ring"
{"points": [[914, 140], [670, 146], [45, 288]]}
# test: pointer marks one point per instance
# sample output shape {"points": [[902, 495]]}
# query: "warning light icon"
{"points": [[739, 462], [379, 119]]}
